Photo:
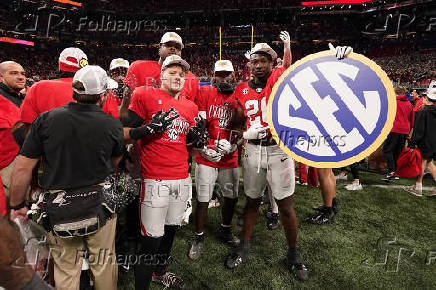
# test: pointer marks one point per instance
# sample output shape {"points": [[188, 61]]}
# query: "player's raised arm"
{"points": [[124, 108], [287, 55]]}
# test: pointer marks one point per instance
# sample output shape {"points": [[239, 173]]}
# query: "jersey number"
{"points": [[252, 107]]}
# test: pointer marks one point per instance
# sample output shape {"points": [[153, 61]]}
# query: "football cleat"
{"points": [[239, 255], [389, 176], [228, 237], [196, 248], [296, 266], [324, 216], [169, 280]]}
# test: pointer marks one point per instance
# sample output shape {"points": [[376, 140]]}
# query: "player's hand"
{"points": [[341, 51], [20, 213], [161, 121], [223, 146], [247, 54], [198, 134], [285, 37], [211, 155], [256, 132]]}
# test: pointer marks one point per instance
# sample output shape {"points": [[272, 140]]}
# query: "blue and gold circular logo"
{"points": [[330, 113]]}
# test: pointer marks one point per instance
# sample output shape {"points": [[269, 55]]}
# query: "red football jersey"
{"points": [[111, 105], [50, 94], [254, 102], [164, 156], [147, 73], [44, 96], [9, 116], [219, 110]]}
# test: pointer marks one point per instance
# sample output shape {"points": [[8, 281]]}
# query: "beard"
{"points": [[225, 88]]}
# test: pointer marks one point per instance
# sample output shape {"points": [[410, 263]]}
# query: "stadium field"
{"points": [[382, 238]]}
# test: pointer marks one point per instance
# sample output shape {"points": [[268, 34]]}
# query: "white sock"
{"points": [[225, 226], [199, 234], [418, 186]]}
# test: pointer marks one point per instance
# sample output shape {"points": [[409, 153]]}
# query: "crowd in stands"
{"points": [[402, 66]]}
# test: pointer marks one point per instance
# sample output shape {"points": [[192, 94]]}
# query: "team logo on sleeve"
{"points": [[329, 113]]}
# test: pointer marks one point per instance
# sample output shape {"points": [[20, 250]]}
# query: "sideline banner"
{"points": [[330, 113]]}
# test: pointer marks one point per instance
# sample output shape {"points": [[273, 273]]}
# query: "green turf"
{"points": [[349, 254]]}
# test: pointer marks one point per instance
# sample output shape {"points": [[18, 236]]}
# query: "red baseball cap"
{"points": [[72, 59]]}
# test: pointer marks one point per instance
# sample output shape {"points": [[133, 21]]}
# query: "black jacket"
{"points": [[15, 98], [424, 130]]}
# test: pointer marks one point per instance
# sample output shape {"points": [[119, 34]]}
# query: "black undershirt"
{"points": [[255, 86]]}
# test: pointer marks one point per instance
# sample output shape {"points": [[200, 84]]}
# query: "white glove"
{"points": [[255, 132], [223, 146], [285, 37], [211, 155], [341, 51], [247, 54]]}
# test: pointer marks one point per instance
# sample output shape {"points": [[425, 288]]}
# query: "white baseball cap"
{"points": [[264, 47], [224, 65], [112, 84], [118, 62], [431, 91], [72, 59], [93, 78], [175, 59], [171, 36]]}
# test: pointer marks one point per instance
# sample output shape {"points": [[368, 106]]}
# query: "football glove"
{"points": [[341, 51], [285, 37], [159, 123], [198, 134], [224, 147], [256, 132], [211, 155]]}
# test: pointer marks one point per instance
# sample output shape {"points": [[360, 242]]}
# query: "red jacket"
{"points": [[405, 116]]}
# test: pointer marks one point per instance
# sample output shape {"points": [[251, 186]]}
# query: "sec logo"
{"points": [[330, 113], [173, 134]]}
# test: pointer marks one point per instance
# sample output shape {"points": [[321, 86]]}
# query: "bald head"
{"points": [[12, 75]]}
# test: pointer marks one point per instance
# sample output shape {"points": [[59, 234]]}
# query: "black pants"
{"points": [[354, 168], [392, 148]]}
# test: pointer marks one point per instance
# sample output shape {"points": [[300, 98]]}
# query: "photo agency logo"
{"points": [[330, 113], [392, 256], [47, 21], [395, 23]]}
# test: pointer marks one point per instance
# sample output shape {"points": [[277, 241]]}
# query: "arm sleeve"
{"points": [[33, 145], [132, 120]]}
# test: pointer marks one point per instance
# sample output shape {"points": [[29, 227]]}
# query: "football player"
{"points": [[163, 150], [218, 164], [265, 164]]}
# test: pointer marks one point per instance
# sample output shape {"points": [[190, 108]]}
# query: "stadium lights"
{"points": [[17, 41], [324, 2], [69, 2]]}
